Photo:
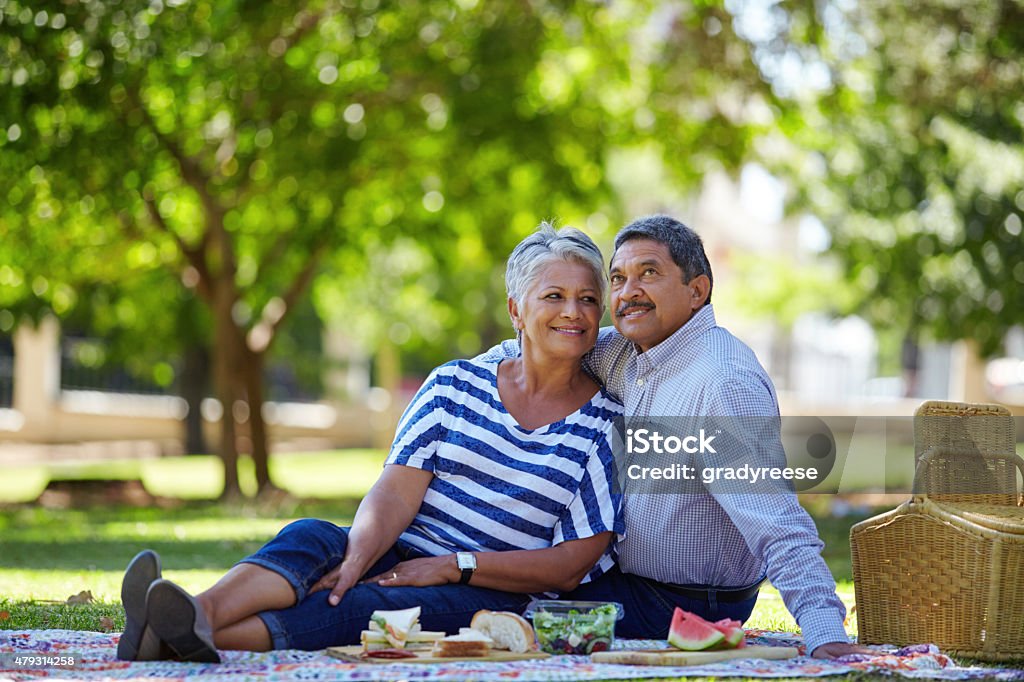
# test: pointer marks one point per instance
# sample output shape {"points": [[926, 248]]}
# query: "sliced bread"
{"points": [[508, 630], [467, 643]]}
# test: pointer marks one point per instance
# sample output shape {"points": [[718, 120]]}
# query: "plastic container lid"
{"points": [[563, 607]]}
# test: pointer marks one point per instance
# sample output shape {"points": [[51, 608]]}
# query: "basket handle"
{"points": [[934, 453]]}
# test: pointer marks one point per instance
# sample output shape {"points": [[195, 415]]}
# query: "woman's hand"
{"points": [[338, 580], [384, 513], [434, 570]]}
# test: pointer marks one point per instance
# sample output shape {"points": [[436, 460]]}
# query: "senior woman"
{"points": [[499, 484]]}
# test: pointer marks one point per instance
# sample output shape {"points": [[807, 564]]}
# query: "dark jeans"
{"points": [[307, 549], [648, 606]]}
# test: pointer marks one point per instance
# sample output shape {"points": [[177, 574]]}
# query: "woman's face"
{"points": [[561, 311]]}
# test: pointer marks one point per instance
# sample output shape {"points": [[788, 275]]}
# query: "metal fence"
{"points": [[108, 377], [282, 381], [6, 379]]}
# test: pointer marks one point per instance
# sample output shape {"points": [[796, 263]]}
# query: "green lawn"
{"points": [[46, 555], [339, 473]]}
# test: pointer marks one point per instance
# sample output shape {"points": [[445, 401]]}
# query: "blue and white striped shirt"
{"points": [[724, 540], [498, 486]]}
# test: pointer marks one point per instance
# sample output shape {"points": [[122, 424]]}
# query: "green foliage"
{"points": [[914, 159], [413, 142], [772, 288]]}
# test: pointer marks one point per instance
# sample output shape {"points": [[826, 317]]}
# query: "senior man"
{"points": [[702, 551]]}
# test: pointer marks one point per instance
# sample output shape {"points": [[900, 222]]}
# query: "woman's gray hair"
{"points": [[545, 246]]}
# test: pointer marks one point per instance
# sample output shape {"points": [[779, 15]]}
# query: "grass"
{"points": [[346, 473], [47, 555]]}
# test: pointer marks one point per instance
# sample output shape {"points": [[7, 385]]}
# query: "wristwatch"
{"points": [[467, 564]]}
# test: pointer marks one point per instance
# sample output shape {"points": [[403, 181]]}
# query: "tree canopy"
{"points": [[911, 152], [165, 151], [183, 173]]}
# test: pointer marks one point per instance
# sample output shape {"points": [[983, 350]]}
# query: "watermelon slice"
{"points": [[690, 632], [733, 632]]}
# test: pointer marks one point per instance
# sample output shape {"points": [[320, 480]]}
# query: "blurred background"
{"points": [[250, 228]]}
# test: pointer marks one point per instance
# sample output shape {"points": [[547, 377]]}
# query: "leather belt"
{"points": [[727, 594]]}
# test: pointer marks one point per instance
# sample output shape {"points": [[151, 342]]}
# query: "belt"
{"points": [[728, 595]]}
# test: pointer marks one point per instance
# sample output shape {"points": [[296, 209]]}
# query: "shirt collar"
{"points": [[702, 321]]}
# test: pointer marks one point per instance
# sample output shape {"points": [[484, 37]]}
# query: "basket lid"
{"points": [[1003, 518]]}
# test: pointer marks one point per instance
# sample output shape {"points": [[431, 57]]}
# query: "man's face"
{"points": [[649, 299]]}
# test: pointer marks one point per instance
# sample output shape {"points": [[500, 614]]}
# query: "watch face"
{"points": [[466, 560]]}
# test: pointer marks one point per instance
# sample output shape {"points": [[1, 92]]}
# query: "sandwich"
{"points": [[508, 630], [469, 643], [397, 630]]}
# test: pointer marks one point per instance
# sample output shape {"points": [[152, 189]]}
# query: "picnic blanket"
{"points": [[94, 659]]}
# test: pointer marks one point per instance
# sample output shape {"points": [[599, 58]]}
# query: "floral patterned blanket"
{"points": [[72, 655]]}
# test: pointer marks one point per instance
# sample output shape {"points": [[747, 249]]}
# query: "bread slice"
{"points": [[468, 643], [374, 639], [395, 625], [508, 630]]}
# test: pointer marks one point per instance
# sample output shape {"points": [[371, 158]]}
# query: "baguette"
{"points": [[508, 630]]}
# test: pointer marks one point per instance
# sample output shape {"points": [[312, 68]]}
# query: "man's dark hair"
{"points": [[684, 244]]}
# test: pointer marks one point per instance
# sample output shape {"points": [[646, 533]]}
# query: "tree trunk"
{"points": [[226, 353], [252, 373], [193, 386]]}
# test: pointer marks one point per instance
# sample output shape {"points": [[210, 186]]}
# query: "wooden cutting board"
{"points": [[351, 654], [682, 658]]}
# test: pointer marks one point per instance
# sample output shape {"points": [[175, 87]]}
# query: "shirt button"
{"points": [[639, 382]]}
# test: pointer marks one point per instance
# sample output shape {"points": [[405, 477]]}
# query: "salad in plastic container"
{"points": [[574, 627]]}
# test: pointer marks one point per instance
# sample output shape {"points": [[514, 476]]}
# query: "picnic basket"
{"points": [[947, 566]]}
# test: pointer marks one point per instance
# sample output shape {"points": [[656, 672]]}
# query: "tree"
{"points": [[912, 155], [542, 104], [237, 143], [396, 152]]}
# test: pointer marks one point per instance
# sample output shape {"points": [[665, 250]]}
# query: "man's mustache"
{"points": [[634, 304]]}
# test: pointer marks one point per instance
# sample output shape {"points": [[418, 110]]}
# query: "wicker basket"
{"points": [[950, 574], [947, 566], [948, 475], [967, 427]]}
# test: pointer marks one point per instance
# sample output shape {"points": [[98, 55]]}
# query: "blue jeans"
{"points": [[307, 549], [648, 606]]}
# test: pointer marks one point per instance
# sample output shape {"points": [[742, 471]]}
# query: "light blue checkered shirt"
{"points": [[725, 540]]}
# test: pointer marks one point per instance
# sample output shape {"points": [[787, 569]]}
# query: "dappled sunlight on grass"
{"points": [[771, 614], [192, 478], [347, 473], [22, 484], [51, 584], [196, 581], [50, 554], [47, 555], [335, 473]]}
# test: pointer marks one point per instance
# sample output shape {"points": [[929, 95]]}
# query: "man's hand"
{"points": [[434, 570], [837, 649], [338, 580]]}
